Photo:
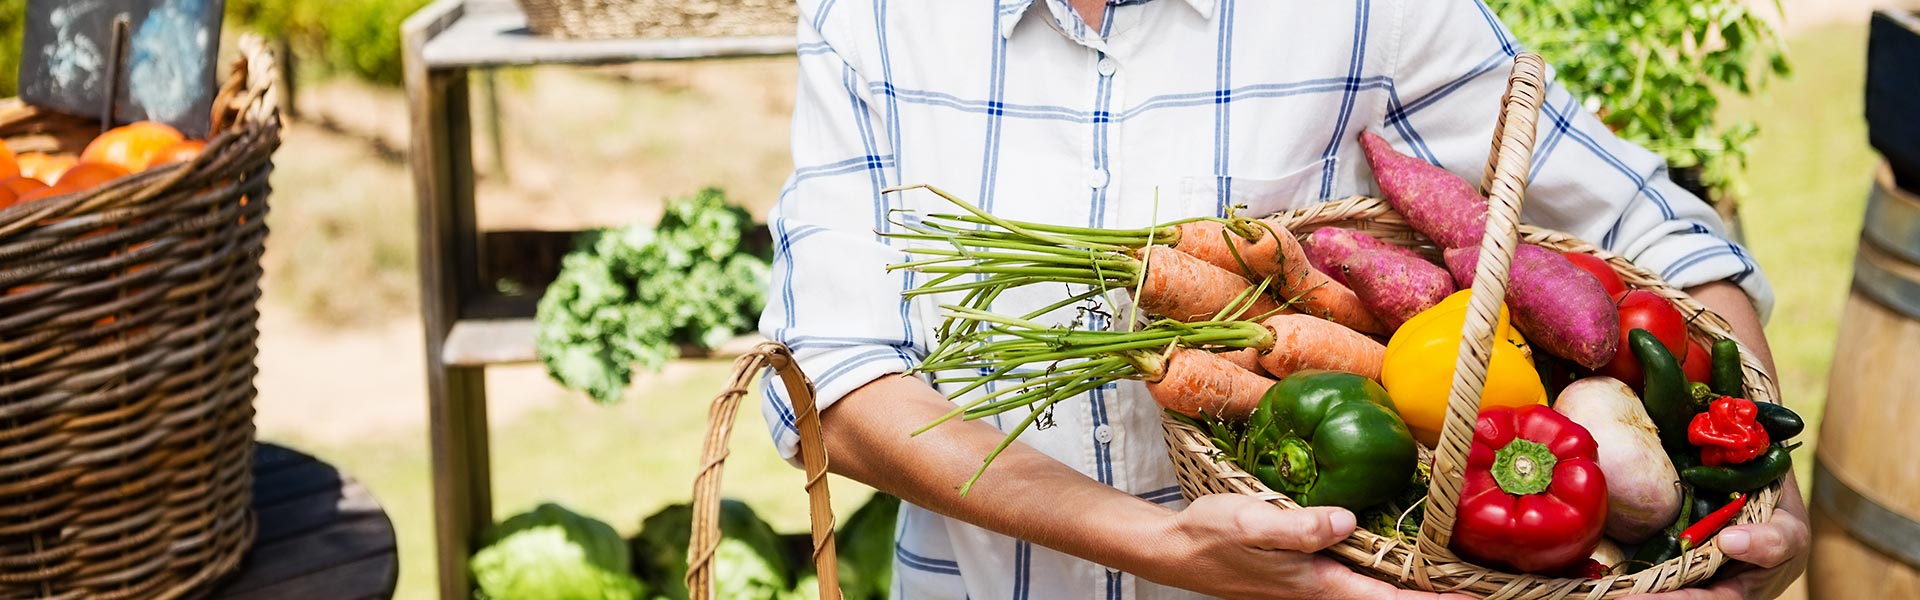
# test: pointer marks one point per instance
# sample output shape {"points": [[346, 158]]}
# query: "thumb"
{"points": [[1304, 530]]}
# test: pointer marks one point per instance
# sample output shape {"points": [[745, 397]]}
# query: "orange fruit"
{"points": [[21, 184], [45, 167], [9, 166], [8, 198], [87, 175], [131, 147], [182, 151], [46, 192]]}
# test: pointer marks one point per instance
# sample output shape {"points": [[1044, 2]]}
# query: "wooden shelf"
{"points": [[487, 342], [493, 33]]}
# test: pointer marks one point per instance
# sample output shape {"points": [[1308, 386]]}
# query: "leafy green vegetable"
{"points": [[551, 553], [748, 563], [1653, 69], [635, 294], [1401, 516]]}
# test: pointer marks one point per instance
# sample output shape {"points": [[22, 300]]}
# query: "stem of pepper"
{"points": [[1293, 461], [1523, 467]]}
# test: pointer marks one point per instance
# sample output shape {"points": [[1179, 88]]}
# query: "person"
{"points": [[1124, 113]]}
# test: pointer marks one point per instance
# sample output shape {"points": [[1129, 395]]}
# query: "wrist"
{"points": [[1145, 542]]}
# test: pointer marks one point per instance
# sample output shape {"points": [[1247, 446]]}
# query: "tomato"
{"points": [[87, 175], [1641, 309], [131, 147], [45, 167], [1698, 363], [1600, 270]]}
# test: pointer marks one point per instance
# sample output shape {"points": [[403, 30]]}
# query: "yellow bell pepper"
{"points": [[1418, 369]]}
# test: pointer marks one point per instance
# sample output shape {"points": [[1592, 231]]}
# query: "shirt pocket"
{"points": [[1257, 195]]}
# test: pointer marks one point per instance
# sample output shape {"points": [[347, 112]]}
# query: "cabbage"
{"points": [[748, 564], [551, 553]]}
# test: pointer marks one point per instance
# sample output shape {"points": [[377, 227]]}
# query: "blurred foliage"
{"points": [[13, 15], [1653, 69], [352, 37]]}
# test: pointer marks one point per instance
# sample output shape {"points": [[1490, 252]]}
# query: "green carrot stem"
{"points": [[976, 211], [1009, 282]]}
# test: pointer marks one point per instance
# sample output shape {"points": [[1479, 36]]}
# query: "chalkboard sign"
{"points": [[165, 54]]}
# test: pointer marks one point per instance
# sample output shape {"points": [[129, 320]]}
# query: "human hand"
{"points": [[1235, 546], [1771, 555]]}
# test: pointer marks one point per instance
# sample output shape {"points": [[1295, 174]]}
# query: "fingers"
{"points": [[1340, 582], [1769, 544], [1270, 527]]}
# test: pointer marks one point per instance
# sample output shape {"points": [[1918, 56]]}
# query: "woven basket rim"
{"points": [[1392, 560]]}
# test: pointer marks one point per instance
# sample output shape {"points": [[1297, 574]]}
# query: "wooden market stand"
{"points": [[469, 324]]}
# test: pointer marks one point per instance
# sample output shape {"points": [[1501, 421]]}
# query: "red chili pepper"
{"points": [[1702, 530], [1533, 498], [1728, 433]]}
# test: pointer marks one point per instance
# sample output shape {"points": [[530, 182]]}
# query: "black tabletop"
{"points": [[321, 535]]}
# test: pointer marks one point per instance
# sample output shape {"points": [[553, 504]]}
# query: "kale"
{"points": [[636, 294]]}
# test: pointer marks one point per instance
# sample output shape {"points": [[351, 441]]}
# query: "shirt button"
{"points": [[1097, 178], [1103, 433], [1107, 67]]}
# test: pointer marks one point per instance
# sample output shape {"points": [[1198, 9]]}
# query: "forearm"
{"points": [[1731, 303], [1026, 494]]}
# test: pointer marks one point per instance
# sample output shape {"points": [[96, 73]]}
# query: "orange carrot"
{"points": [[1276, 253], [1199, 383], [1183, 288], [1303, 342], [1245, 358]]}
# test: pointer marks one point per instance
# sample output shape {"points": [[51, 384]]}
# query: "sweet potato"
{"points": [[1395, 286], [1327, 246], [1559, 307], [1437, 203]]}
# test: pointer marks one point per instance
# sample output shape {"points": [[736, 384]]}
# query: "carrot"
{"points": [[1198, 383], [1209, 241], [1245, 358], [1184, 288], [1312, 291], [1303, 342]]}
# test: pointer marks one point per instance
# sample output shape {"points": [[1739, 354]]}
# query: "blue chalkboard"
{"points": [[168, 73]]}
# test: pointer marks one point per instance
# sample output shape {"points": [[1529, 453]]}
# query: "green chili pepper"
{"points": [[1660, 549], [1780, 422], [1665, 393], [1743, 477], [1727, 376]]}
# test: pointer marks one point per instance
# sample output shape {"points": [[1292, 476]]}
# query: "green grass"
{"points": [[1806, 193], [616, 463]]}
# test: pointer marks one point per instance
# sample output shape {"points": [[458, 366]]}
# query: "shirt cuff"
{"points": [[835, 373], [1685, 260]]}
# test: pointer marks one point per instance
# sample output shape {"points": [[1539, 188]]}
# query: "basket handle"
{"points": [[1505, 185], [813, 455]]}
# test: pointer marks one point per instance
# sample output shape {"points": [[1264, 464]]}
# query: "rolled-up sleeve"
{"points": [[832, 300], [1450, 71]]}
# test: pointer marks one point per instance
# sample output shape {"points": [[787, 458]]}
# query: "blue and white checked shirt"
{"points": [[1182, 108]]}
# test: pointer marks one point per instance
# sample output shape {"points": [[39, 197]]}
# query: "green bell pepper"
{"points": [[1330, 438]]}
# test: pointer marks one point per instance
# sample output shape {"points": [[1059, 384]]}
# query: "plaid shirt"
{"points": [[1182, 108]]}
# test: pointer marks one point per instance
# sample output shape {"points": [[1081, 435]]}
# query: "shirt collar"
{"points": [[1010, 10]]}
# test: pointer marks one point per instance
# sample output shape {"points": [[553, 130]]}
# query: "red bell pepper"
{"points": [[1533, 499], [1729, 433]]}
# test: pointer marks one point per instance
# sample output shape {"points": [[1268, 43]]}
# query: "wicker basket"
{"points": [[600, 19], [126, 361], [1426, 563]]}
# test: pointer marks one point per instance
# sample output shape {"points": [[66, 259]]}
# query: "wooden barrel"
{"points": [[1866, 488]]}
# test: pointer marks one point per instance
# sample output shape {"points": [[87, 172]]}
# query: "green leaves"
{"points": [[1653, 69], [638, 293]]}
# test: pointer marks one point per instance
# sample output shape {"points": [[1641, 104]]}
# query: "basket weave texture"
{"points": [[1426, 563], [601, 19], [127, 339]]}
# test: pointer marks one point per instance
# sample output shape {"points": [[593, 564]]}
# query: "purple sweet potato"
{"points": [[1326, 247], [1395, 286], [1437, 203], [1559, 307]]}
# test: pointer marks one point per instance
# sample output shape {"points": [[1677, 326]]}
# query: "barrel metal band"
{"points": [[1886, 280], [1892, 534], [1893, 218]]}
